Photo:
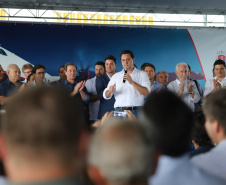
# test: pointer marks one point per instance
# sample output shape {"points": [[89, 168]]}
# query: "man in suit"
{"points": [[101, 84], [91, 89]]}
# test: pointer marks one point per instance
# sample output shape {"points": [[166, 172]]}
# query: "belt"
{"points": [[129, 108]]}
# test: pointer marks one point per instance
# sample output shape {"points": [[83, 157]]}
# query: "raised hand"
{"points": [[111, 88], [128, 78], [181, 89], [82, 85], [190, 87], [217, 85]]}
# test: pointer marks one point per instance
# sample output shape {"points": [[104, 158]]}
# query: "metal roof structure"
{"points": [[154, 13], [139, 6]]}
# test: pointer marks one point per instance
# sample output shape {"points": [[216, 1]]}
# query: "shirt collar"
{"points": [[9, 82], [172, 161], [108, 76], [134, 70], [222, 143], [178, 82], [154, 82], [217, 79], [67, 82]]}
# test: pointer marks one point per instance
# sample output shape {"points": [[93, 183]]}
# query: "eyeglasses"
{"points": [[28, 72], [39, 73]]}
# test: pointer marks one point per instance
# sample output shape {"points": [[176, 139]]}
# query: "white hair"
{"points": [[124, 158], [183, 64], [10, 66]]}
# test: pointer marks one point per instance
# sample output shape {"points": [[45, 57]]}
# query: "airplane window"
{"points": [[3, 52]]}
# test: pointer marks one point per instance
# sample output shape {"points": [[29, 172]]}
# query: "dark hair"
{"points": [[189, 67], [45, 119], [110, 57], [69, 64], [29, 76], [100, 63], [215, 107], [144, 65], [199, 134], [219, 62], [36, 67], [169, 122], [127, 52], [61, 67]]}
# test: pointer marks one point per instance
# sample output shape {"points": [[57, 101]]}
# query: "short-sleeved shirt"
{"points": [[7, 88], [68, 87]]}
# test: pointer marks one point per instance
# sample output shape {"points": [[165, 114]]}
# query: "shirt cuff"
{"points": [[105, 96]]}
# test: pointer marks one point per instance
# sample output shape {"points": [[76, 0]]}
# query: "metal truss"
{"points": [[124, 18]]}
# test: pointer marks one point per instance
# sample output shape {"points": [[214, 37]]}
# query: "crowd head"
{"points": [[170, 129], [43, 134], [120, 153], [182, 71]]}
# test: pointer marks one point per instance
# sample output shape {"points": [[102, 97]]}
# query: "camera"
{"points": [[119, 114]]}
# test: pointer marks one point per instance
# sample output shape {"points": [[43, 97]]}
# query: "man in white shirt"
{"points": [[219, 81], [39, 71], [169, 123], [214, 161], [129, 95], [184, 88], [91, 88]]}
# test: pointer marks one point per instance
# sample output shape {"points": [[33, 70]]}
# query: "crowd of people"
{"points": [[75, 132]]}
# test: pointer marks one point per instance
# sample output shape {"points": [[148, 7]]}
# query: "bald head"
{"points": [[162, 77], [13, 73]]}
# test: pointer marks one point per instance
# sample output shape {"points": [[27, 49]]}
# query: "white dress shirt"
{"points": [[180, 171], [125, 94], [34, 83], [93, 107], [174, 86], [209, 86], [213, 161]]}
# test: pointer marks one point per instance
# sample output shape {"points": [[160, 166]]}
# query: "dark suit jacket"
{"points": [[105, 105]]}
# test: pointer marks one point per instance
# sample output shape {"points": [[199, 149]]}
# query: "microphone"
{"points": [[126, 69]]}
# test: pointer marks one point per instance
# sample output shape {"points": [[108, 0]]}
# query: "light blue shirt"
{"points": [[179, 171], [213, 161], [156, 85]]}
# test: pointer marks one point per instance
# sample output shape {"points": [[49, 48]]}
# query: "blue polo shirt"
{"points": [[70, 88], [7, 87], [157, 85]]}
